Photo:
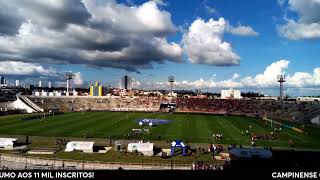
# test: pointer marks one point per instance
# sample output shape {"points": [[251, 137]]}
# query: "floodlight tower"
{"points": [[171, 81], [281, 79], [69, 77]]}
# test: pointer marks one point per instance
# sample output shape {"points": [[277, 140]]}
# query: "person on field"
{"points": [[291, 143]]}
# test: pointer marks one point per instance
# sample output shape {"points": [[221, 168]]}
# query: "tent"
{"points": [[144, 148], [7, 143], [84, 146], [178, 144], [248, 153]]}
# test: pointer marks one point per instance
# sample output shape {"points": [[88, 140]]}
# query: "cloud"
{"points": [[307, 25], [29, 73], [10, 20], [160, 2], [264, 80], [204, 44], [85, 32], [235, 76], [208, 8], [269, 77], [55, 14], [241, 30], [25, 69], [296, 31], [78, 79], [305, 79], [281, 2]]}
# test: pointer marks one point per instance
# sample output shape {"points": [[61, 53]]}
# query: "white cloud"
{"points": [[265, 80], [241, 30], [204, 43], [22, 68], [268, 77], [160, 2], [78, 79], [305, 79], [296, 31], [307, 26], [208, 8], [235, 76]]}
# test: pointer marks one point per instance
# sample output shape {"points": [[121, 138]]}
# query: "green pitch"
{"points": [[187, 127]]}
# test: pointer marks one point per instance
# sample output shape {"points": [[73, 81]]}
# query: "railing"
{"points": [[12, 161], [31, 104]]}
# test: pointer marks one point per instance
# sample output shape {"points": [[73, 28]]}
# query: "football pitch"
{"points": [[195, 128]]}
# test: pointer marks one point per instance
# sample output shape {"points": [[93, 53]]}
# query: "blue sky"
{"points": [[269, 46], [271, 30]]}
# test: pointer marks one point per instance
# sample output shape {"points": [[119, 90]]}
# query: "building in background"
{"points": [[40, 83], [17, 83], [97, 90], [49, 85], [2, 81], [126, 83], [230, 94]]}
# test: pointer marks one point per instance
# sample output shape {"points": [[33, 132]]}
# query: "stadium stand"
{"points": [[289, 110]]}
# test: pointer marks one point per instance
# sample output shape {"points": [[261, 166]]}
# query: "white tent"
{"points": [[133, 147], [84, 146], [7, 143], [144, 148]]}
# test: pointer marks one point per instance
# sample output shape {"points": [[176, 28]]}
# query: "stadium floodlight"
{"points": [[281, 79], [69, 77], [171, 81]]}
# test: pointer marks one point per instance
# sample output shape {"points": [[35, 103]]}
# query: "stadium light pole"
{"points": [[69, 77], [281, 80], [171, 81]]}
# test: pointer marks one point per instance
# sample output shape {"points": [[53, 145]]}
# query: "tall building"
{"points": [[126, 82], [40, 83], [1, 80], [230, 94], [97, 90], [17, 83], [49, 84]]}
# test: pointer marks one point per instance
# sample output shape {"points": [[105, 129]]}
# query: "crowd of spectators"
{"points": [[217, 105], [263, 108], [200, 165], [252, 107]]}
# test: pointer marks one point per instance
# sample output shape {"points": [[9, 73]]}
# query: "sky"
{"points": [[207, 45]]}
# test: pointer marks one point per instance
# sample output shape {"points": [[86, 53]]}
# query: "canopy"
{"points": [[140, 147], [85, 146], [144, 148], [250, 153], [7, 141]]}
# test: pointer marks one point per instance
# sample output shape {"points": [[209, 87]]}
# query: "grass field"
{"points": [[194, 128]]}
